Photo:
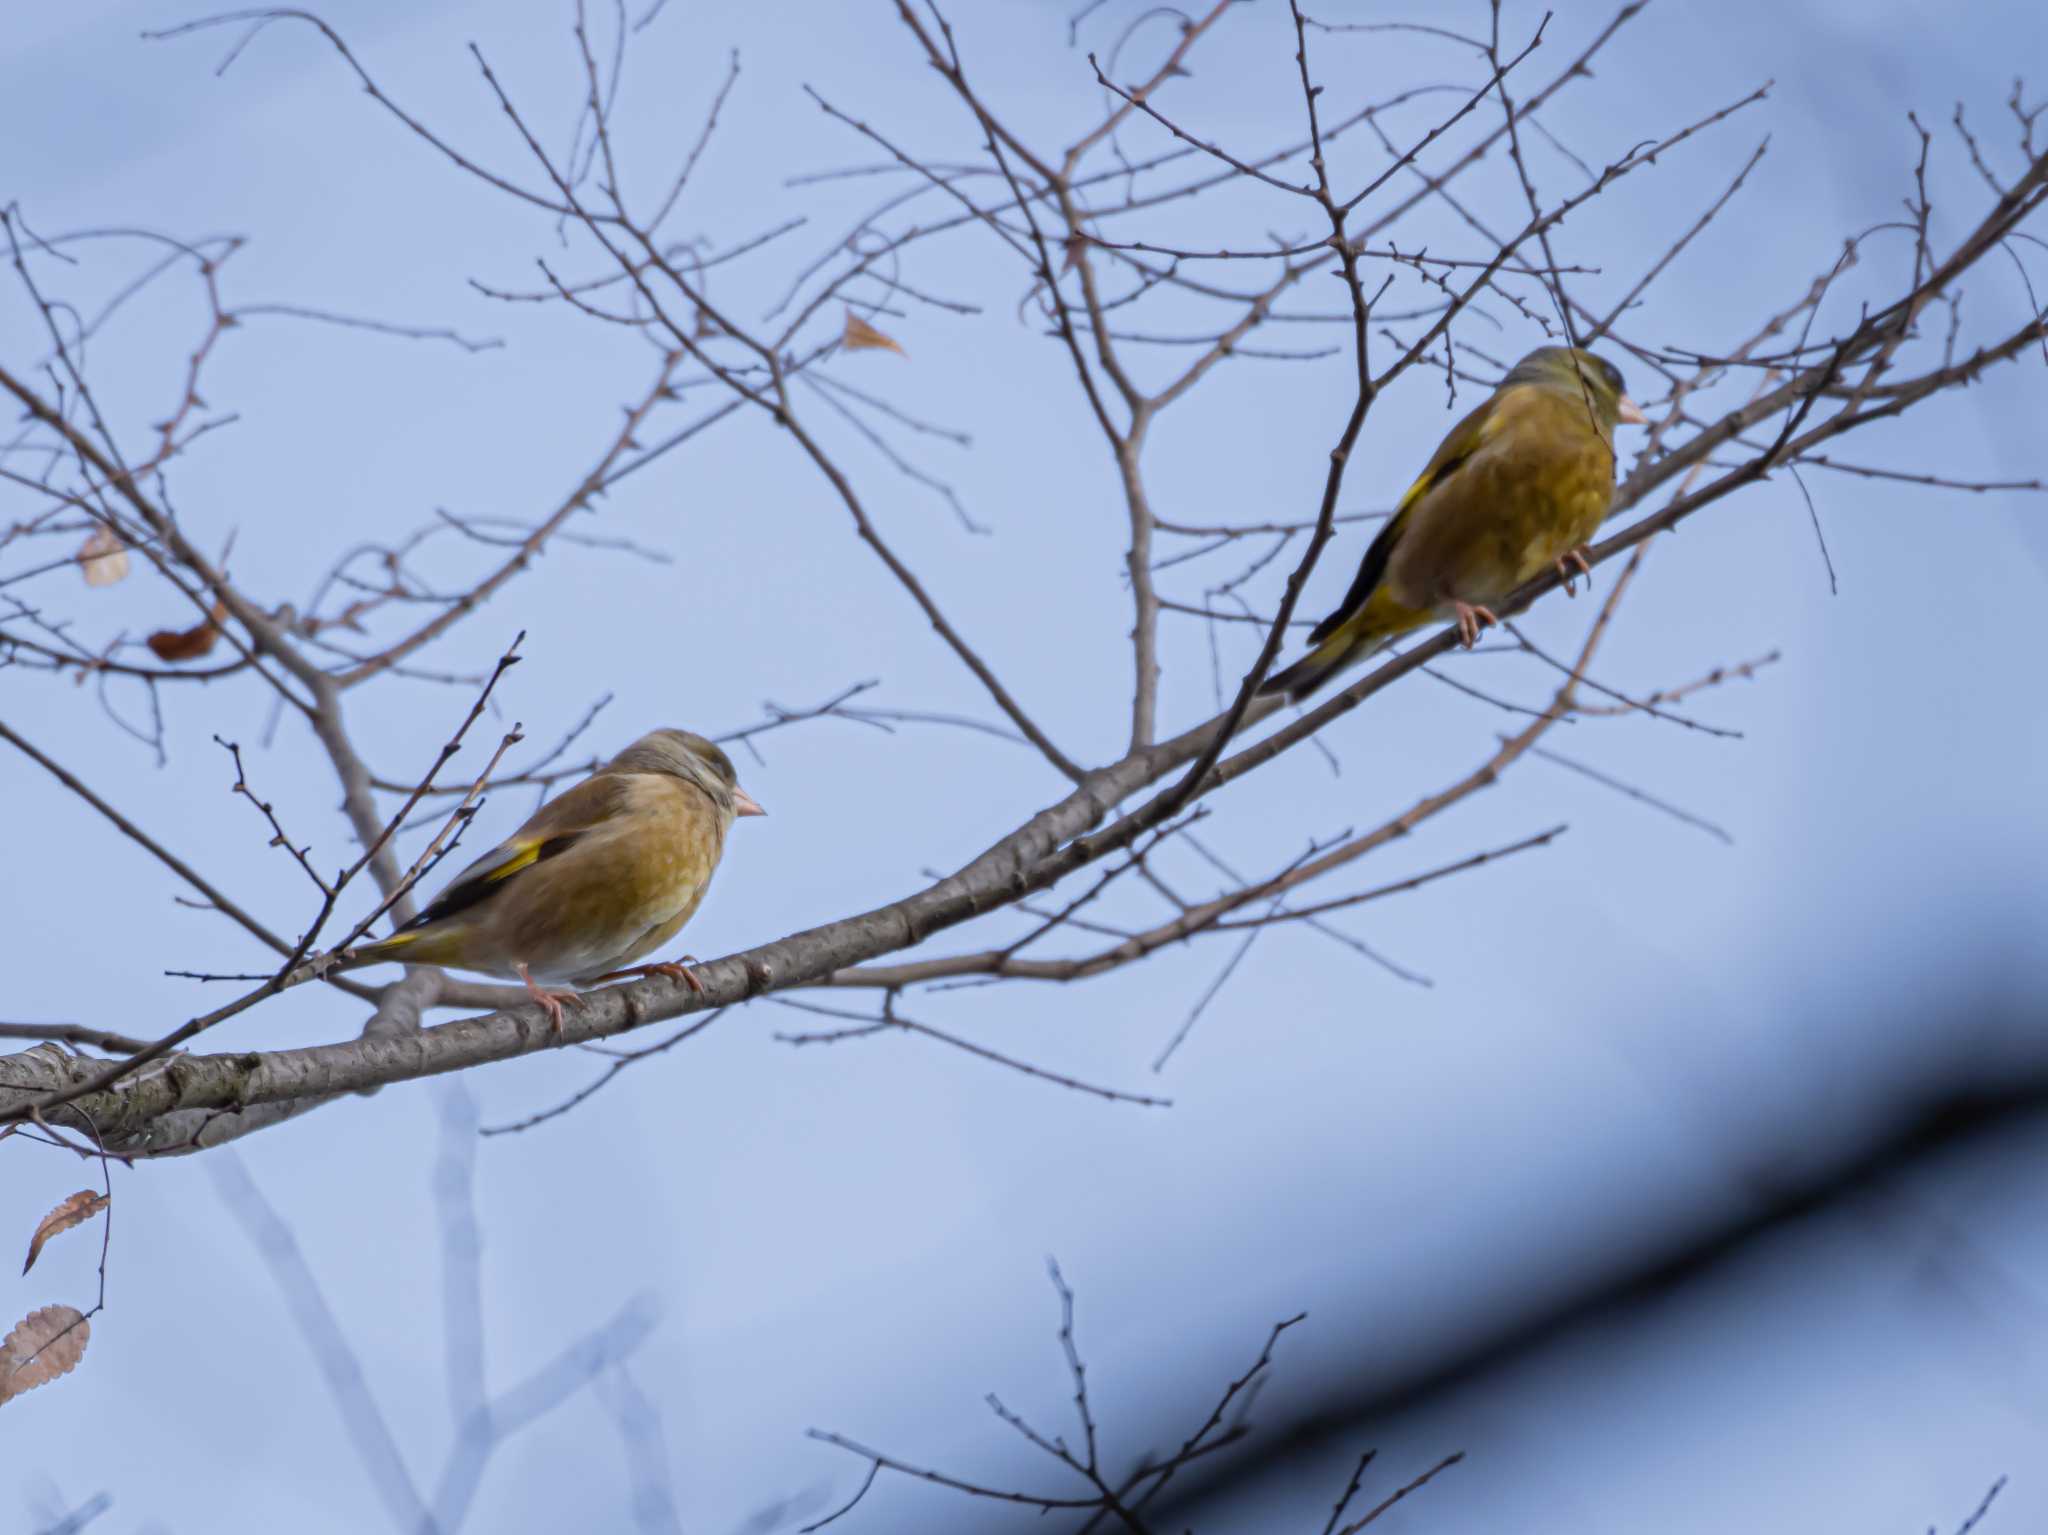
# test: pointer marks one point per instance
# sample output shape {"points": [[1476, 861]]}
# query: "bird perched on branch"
{"points": [[1519, 486], [598, 877]]}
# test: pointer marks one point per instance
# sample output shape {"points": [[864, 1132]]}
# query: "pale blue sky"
{"points": [[1625, 1029]]}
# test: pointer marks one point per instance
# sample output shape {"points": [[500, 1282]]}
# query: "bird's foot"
{"points": [[679, 970], [675, 970], [550, 1001], [1570, 560], [1471, 620]]}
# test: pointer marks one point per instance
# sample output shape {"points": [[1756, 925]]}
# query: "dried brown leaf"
{"points": [[78, 1209], [189, 644], [863, 337], [44, 1345], [103, 557]]}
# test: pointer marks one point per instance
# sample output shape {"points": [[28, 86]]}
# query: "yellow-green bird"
{"points": [[598, 877], [1519, 486]]}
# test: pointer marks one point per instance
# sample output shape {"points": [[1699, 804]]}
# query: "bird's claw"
{"points": [[550, 1001], [1565, 563], [676, 970], [1471, 619]]}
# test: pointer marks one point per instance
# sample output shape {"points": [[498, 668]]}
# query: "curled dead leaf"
{"points": [[863, 337], [45, 1344], [189, 644], [103, 557], [78, 1209]]}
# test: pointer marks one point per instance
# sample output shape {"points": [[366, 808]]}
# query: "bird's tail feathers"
{"points": [[377, 951], [1366, 633], [1309, 673]]}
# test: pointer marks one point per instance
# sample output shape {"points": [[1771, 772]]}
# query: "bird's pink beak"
{"points": [[1631, 413], [743, 804]]}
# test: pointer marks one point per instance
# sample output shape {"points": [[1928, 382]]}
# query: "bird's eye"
{"points": [[718, 761]]}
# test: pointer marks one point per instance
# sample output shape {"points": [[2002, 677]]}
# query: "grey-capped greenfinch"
{"points": [[598, 877], [1519, 486]]}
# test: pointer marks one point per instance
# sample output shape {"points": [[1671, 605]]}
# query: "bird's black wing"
{"points": [[1456, 447]]}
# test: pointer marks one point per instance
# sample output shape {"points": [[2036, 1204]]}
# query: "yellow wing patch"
{"points": [[1415, 493], [527, 855]]}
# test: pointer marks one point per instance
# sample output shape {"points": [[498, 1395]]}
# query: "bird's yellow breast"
{"points": [[646, 868], [1538, 484]]}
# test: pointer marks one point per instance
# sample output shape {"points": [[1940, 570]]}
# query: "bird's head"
{"points": [[1578, 372], [686, 755]]}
